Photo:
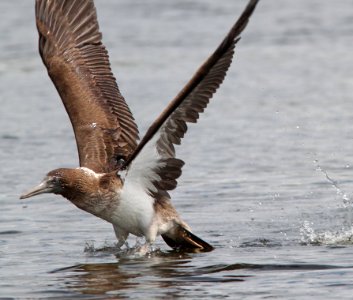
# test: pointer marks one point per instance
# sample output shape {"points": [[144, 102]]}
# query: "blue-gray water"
{"points": [[268, 176]]}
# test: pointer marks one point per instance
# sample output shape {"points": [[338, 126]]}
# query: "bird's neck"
{"points": [[97, 195]]}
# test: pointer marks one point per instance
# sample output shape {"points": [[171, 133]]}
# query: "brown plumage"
{"points": [[136, 201], [78, 64]]}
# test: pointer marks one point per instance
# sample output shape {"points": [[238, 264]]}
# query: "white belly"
{"points": [[135, 211]]}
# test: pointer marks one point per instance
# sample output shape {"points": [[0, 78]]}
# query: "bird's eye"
{"points": [[120, 160], [120, 157], [55, 180]]}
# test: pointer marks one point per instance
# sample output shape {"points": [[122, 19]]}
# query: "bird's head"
{"points": [[59, 181]]}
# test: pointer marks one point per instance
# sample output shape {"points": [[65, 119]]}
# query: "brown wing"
{"points": [[194, 97], [153, 163], [78, 64]]}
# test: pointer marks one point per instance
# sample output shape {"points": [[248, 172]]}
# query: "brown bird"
{"points": [[120, 180]]}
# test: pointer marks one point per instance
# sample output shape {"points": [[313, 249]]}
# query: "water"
{"points": [[268, 174]]}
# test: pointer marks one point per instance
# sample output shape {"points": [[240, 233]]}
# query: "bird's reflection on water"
{"points": [[163, 274], [159, 269]]}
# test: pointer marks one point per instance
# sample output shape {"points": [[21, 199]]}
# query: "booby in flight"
{"points": [[120, 180]]}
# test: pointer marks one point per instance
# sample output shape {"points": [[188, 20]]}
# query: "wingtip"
{"points": [[243, 20], [226, 47], [251, 5]]}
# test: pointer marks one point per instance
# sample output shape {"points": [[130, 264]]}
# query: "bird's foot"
{"points": [[144, 249]]}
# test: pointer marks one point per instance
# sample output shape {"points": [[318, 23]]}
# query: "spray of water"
{"points": [[341, 237], [347, 201], [140, 249]]}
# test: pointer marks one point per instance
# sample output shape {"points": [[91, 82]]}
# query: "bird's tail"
{"points": [[180, 238]]}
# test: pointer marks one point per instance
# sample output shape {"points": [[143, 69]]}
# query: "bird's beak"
{"points": [[43, 187]]}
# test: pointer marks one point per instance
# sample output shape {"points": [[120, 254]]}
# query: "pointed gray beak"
{"points": [[43, 187]]}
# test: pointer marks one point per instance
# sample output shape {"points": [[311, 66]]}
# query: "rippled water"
{"points": [[268, 176]]}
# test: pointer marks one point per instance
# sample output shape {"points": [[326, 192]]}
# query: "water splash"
{"points": [[347, 201], [105, 249], [140, 249], [342, 237], [310, 237]]}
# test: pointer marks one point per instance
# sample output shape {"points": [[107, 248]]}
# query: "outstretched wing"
{"points": [[70, 45], [153, 164]]}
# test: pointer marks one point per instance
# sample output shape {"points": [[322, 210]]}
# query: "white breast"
{"points": [[135, 210], [135, 213]]}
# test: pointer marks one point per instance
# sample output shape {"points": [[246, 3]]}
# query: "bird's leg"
{"points": [[144, 249], [140, 240], [150, 239], [121, 235]]}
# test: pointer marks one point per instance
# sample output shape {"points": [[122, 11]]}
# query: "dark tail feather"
{"points": [[182, 239]]}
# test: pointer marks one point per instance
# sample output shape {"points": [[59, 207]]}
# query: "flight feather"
{"points": [[71, 48]]}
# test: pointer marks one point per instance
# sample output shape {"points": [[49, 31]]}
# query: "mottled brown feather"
{"points": [[186, 107], [78, 64]]}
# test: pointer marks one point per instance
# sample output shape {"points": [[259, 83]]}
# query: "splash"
{"points": [[344, 236], [347, 201], [310, 237], [140, 249], [105, 249]]}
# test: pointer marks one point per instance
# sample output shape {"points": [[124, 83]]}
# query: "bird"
{"points": [[121, 179]]}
